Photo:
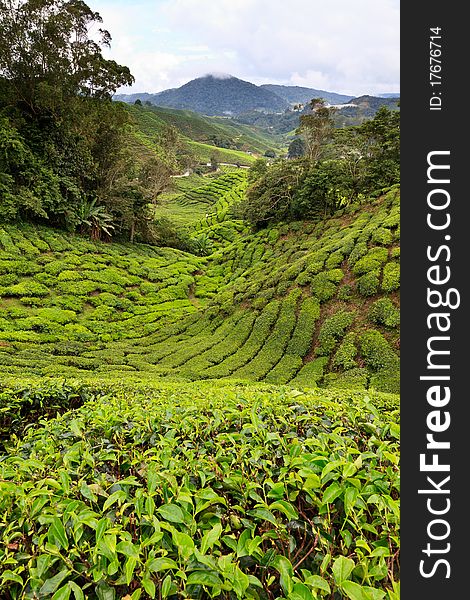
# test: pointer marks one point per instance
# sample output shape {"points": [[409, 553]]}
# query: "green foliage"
{"points": [[252, 306], [270, 195], [391, 277], [359, 161], [368, 284], [331, 330], [324, 284], [345, 356], [384, 312], [55, 92], [166, 489], [376, 350]]}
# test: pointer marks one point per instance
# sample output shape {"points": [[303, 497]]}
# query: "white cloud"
{"points": [[343, 46]]}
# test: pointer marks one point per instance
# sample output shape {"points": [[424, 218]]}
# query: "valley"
{"points": [[199, 330]]}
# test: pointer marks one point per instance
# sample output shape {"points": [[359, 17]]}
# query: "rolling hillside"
{"points": [[184, 426], [306, 304], [204, 137]]}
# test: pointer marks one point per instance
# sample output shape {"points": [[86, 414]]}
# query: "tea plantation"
{"points": [[307, 304], [222, 425]]}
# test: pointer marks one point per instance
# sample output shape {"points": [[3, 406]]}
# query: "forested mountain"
{"points": [[217, 95]]}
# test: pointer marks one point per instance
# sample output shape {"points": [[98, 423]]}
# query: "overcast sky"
{"points": [[346, 46]]}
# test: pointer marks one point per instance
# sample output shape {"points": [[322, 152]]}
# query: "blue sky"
{"points": [[348, 46]]}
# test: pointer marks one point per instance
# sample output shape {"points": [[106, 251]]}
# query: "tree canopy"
{"points": [[48, 55], [67, 154]]}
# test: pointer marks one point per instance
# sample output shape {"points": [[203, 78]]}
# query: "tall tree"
{"points": [[47, 53], [317, 128]]}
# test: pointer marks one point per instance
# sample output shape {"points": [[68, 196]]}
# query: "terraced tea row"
{"points": [[202, 209], [305, 303]]}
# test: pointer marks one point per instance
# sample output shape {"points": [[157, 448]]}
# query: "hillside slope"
{"points": [[217, 131], [295, 94], [306, 304]]}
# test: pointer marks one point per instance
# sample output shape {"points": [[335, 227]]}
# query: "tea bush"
{"points": [[170, 490]]}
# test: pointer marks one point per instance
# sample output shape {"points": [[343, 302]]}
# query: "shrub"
{"points": [[382, 236], [366, 264], [311, 374], [345, 356], [359, 250], [26, 405], [376, 351], [384, 312], [345, 292], [391, 277], [27, 288], [333, 329], [322, 287], [368, 284], [334, 259]]}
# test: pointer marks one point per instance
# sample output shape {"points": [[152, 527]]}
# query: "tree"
{"points": [[296, 148], [269, 197], [215, 160], [381, 141], [48, 56], [317, 128], [55, 94]]}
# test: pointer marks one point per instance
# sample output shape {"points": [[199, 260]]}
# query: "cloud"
{"points": [[346, 46]]}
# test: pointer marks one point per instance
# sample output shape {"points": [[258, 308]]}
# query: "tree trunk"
{"points": [[132, 232]]}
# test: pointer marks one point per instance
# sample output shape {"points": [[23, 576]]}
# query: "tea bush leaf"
{"points": [[210, 538], [171, 513], [342, 569]]}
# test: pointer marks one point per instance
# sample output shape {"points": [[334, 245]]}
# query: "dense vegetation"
{"points": [[335, 167], [228, 491], [199, 348]]}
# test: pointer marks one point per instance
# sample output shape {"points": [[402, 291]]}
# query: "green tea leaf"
{"points": [[350, 496], [161, 564], [76, 590], [342, 569], [152, 477], [318, 582], [166, 587], [286, 508], [301, 592], [58, 531], [210, 538], [353, 590], [129, 567], [104, 591], [119, 495], [10, 576], [184, 544], [63, 593], [103, 524], [128, 549], [171, 513], [332, 492], [203, 578], [51, 585]]}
